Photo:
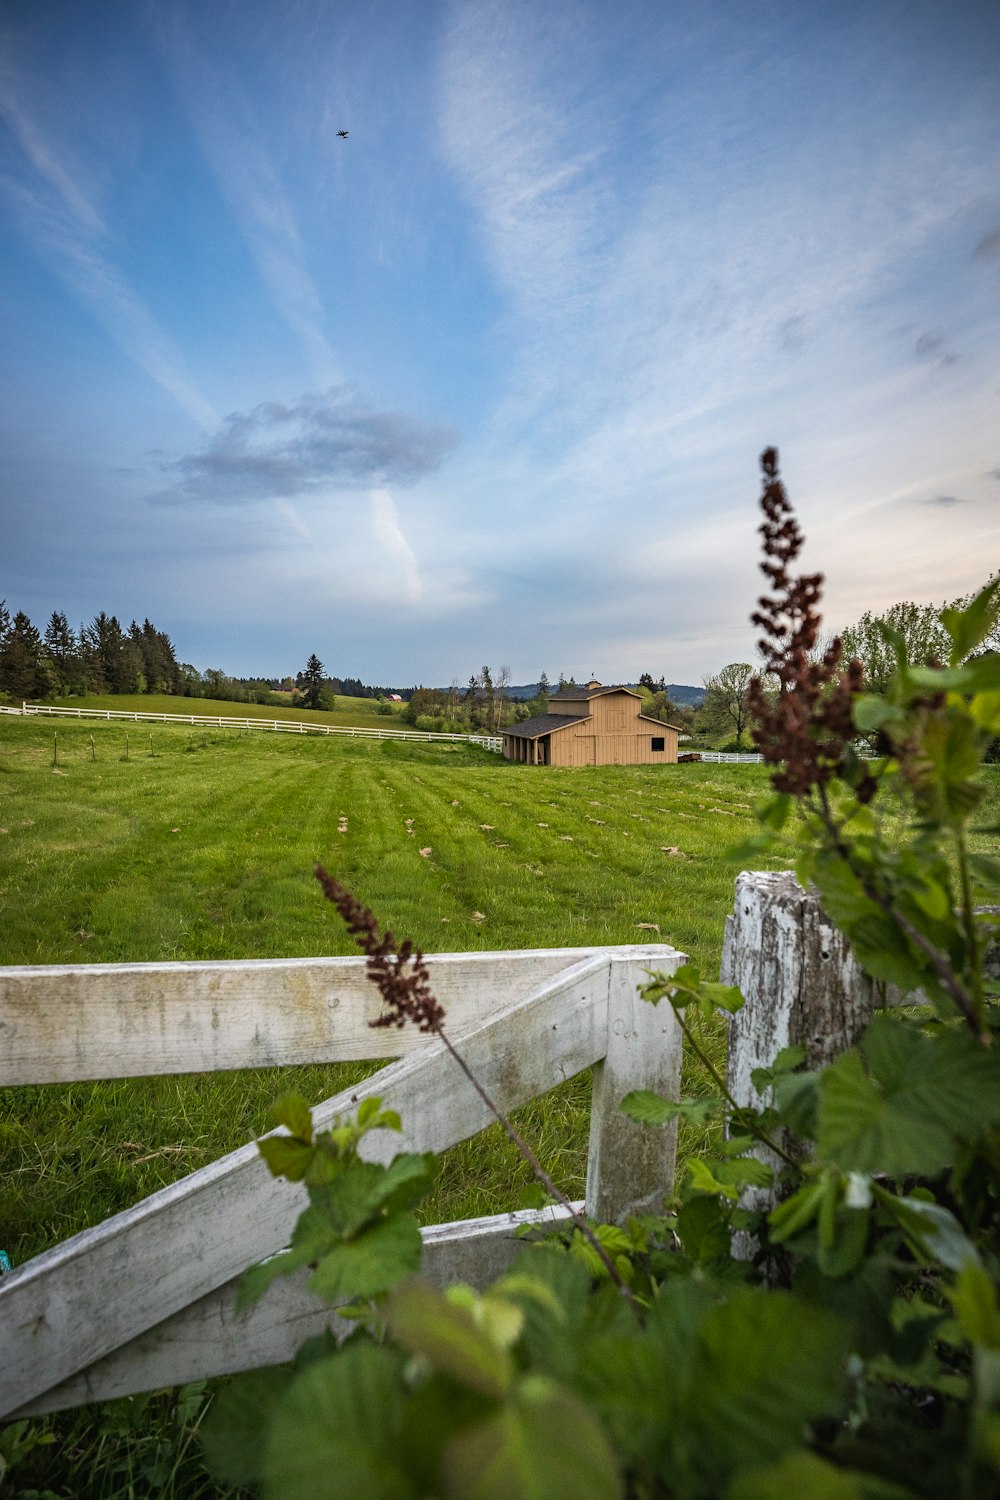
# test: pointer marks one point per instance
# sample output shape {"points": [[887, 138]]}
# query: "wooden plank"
{"points": [[66, 1023], [630, 1168], [75, 1303], [211, 1338]]}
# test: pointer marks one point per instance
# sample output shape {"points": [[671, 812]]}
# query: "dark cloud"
{"points": [[791, 334], [988, 247], [324, 440], [944, 500], [933, 347], [929, 345]]}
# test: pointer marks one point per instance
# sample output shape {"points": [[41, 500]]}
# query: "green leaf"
{"points": [[744, 1171], [255, 1282], [931, 1231], [359, 1195], [871, 712], [974, 1298], [842, 1250], [367, 1110], [985, 710], [292, 1111], [796, 1097], [427, 1322], [804, 1476], [702, 1179], [647, 1108], [774, 811], [969, 627], [340, 1421], [235, 1431], [906, 1100], [286, 1156], [703, 1227], [742, 1379], [787, 1060], [542, 1442], [371, 1262], [723, 996], [796, 1212]]}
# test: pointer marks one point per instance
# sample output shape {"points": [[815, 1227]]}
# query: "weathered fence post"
{"points": [[801, 985], [630, 1168], [799, 978]]}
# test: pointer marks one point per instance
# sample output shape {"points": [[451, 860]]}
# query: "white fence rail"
{"points": [[148, 1298], [224, 721], [729, 757]]}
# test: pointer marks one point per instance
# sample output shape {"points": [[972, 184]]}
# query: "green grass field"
{"points": [[199, 842], [347, 713]]}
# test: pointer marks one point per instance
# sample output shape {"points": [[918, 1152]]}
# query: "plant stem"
{"points": [[539, 1171], [744, 1116]]}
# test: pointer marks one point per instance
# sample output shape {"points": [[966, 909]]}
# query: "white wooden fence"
{"points": [[147, 1298], [224, 721]]}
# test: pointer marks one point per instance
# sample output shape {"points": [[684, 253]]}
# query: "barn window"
{"points": [[657, 741]]}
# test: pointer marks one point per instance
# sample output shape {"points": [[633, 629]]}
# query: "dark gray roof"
{"points": [[572, 695], [530, 729]]}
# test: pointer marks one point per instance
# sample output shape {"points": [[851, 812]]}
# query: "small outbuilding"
{"points": [[592, 726]]}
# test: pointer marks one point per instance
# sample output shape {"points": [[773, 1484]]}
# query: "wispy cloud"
{"points": [[944, 500], [988, 247], [329, 440], [62, 225], [40, 153], [388, 533], [223, 119]]}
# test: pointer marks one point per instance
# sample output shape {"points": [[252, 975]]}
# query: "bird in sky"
{"points": [[343, 134]]}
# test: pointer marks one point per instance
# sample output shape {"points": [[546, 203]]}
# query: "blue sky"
{"points": [[488, 381]]}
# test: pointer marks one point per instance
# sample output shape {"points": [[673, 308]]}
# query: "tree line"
{"points": [[919, 631], [102, 657]]}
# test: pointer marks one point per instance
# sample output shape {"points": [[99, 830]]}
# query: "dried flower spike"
{"points": [[398, 972], [806, 731]]}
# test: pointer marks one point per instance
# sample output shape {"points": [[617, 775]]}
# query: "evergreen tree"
{"points": [[62, 646], [311, 682], [25, 670]]}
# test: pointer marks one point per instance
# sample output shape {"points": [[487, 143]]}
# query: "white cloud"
{"points": [[388, 534]]}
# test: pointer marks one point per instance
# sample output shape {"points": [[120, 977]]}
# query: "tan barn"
{"points": [[592, 726]]}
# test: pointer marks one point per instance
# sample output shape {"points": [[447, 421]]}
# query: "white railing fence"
{"points": [[148, 1298], [233, 721]]}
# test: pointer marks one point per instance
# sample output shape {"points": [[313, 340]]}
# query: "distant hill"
{"points": [[676, 692]]}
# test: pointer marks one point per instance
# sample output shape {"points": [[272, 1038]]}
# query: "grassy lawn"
{"points": [[348, 713]]}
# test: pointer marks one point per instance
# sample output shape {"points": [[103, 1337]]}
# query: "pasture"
{"points": [[347, 713]]}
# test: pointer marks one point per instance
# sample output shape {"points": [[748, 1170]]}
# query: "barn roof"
{"points": [[573, 695], [530, 729]]}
